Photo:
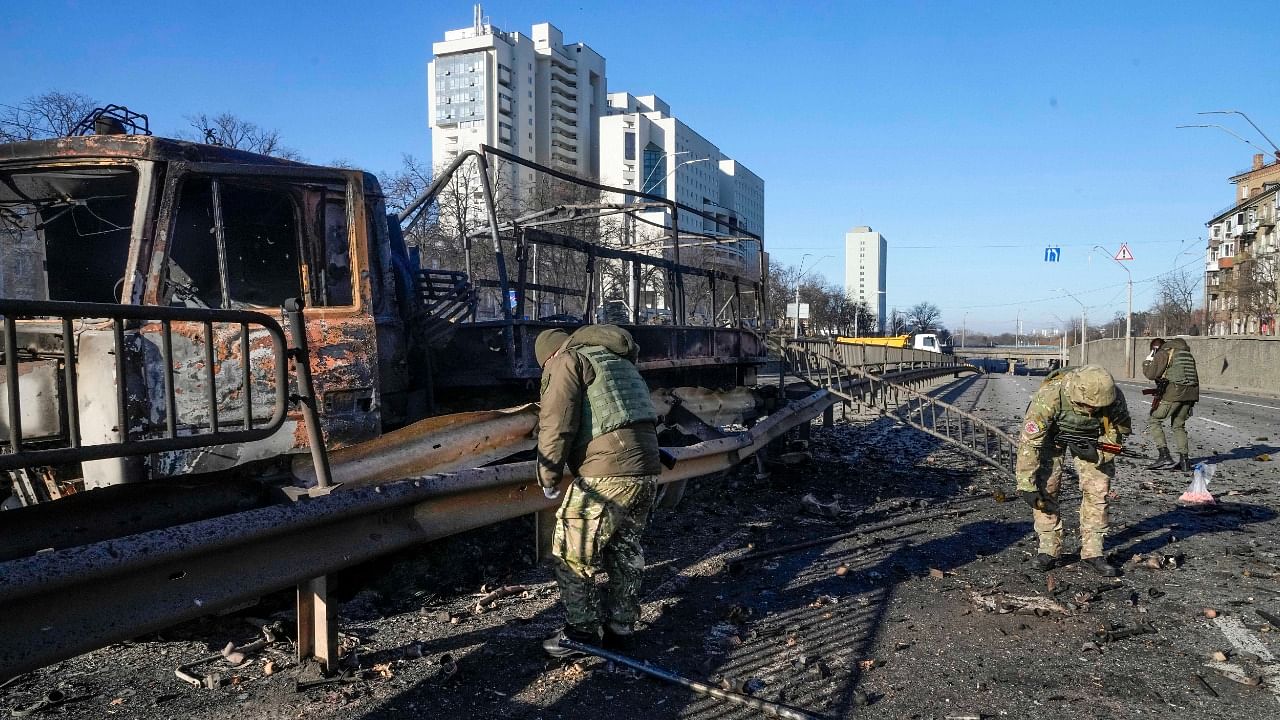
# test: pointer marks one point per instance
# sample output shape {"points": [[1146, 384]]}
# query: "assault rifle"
{"points": [[1087, 448], [1155, 394]]}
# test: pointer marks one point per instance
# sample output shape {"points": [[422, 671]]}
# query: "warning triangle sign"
{"points": [[1124, 253]]}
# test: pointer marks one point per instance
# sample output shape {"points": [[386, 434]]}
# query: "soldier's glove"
{"points": [[1039, 500], [551, 492]]}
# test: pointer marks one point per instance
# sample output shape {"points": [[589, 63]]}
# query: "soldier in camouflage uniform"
{"points": [[1172, 368], [1073, 408], [598, 421]]}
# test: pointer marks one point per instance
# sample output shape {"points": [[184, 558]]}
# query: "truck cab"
{"points": [[143, 220]]}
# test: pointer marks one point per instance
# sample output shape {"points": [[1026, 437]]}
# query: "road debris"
{"points": [[1198, 681], [1003, 604], [487, 601], [813, 506], [1123, 633], [768, 708], [51, 700]]}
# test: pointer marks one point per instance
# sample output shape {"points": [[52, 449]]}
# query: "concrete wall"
{"points": [[1250, 364]]}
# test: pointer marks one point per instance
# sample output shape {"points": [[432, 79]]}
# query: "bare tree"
{"points": [[1257, 291], [923, 316], [231, 131], [1175, 302], [403, 186], [48, 115]]}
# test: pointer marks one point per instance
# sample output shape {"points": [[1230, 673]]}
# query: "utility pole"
{"points": [[799, 279], [1084, 328], [1128, 318]]}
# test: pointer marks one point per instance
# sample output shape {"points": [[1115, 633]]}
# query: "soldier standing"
{"points": [[1074, 408], [598, 421], [1172, 368]]}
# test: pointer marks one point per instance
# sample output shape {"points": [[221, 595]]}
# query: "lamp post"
{"points": [[1246, 119], [1128, 318], [963, 325], [796, 329], [644, 184], [1084, 328]]}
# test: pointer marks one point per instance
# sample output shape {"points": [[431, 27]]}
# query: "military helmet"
{"points": [[1091, 385]]}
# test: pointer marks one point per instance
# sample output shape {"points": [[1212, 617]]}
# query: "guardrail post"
{"points": [[317, 637]]}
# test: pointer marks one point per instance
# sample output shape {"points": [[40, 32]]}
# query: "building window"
{"points": [[629, 146], [655, 170]]}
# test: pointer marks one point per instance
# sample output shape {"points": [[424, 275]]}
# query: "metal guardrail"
{"points": [[69, 448], [59, 603], [820, 364]]}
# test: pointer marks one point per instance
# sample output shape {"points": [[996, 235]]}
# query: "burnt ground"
{"points": [[942, 616]]}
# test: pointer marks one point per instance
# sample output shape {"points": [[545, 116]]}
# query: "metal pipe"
{"points": [[122, 383], [771, 709], [210, 377], [11, 379], [306, 396], [170, 397], [435, 445], [69, 372]]}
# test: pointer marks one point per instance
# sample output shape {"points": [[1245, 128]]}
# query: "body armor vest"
{"points": [[1070, 422], [617, 397], [1182, 369]]}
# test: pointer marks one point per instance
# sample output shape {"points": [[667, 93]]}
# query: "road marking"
{"points": [[1215, 422], [1239, 402], [1214, 397], [1245, 641]]}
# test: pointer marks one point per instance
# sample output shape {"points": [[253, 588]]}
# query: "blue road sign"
{"points": [[1052, 254]]}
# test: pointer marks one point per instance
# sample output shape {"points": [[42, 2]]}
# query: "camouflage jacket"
{"points": [[1049, 410]]}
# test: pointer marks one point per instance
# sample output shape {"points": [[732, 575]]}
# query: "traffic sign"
{"points": [[1052, 254], [1123, 253]]}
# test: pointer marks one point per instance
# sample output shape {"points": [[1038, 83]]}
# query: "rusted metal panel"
{"points": [[438, 444], [38, 389]]}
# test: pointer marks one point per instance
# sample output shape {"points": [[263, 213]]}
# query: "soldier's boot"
{"points": [[1100, 566], [1183, 463], [1045, 562], [554, 647], [616, 638], [1164, 460]]}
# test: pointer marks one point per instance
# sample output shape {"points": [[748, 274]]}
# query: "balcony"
{"points": [[558, 103]]}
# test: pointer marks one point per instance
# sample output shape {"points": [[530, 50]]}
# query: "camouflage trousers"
{"points": [[1095, 483], [1177, 414], [599, 526]]}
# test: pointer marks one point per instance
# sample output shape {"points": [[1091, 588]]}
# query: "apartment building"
{"points": [[1242, 285], [533, 96], [866, 262], [642, 146]]}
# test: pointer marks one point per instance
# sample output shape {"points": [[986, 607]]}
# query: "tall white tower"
{"points": [[866, 255]]}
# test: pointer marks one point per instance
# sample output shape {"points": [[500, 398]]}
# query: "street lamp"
{"points": [[1128, 319], [644, 184], [796, 329], [1246, 119], [1084, 328], [963, 324], [1228, 131]]}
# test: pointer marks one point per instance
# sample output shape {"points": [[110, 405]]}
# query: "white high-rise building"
{"points": [[532, 96], [643, 147], [866, 255]]}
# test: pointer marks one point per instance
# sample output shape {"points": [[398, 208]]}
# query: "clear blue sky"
{"points": [[971, 134]]}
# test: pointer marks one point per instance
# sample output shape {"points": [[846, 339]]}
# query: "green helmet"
{"points": [[1091, 385]]}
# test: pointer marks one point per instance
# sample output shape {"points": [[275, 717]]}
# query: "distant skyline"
{"points": [[973, 135]]}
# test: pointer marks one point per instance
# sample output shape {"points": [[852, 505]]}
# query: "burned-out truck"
{"points": [[142, 282]]}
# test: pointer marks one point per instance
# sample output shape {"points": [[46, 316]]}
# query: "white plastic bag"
{"points": [[1198, 491]]}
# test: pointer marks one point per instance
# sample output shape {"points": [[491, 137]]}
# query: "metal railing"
{"points": [[819, 363], [125, 321]]}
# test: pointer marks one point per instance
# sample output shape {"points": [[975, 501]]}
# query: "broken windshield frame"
{"points": [[66, 231]]}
